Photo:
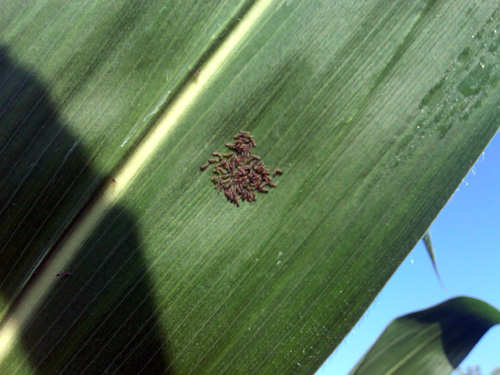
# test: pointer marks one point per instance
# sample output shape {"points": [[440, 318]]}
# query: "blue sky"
{"points": [[466, 240]]}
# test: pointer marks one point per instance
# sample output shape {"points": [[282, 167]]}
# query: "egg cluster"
{"points": [[240, 174]]}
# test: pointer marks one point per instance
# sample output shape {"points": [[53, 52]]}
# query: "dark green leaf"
{"points": [[374, 110], [432, 341]]}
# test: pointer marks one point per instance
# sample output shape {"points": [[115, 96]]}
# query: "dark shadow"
{"points": [[101, 315]]}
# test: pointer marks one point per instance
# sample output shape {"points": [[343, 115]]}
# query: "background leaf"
{"points": [[432, 341], [430, 251]]}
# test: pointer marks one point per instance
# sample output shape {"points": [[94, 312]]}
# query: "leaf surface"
{"points": [[374, 111], [432, 341]]}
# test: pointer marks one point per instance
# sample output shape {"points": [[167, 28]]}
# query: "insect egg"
{"points": [[240, 174]]}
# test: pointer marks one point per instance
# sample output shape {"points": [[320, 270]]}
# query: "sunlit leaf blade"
{"points": [[374, 111], [432, 341]]}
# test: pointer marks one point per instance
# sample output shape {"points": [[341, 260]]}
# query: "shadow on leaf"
{"points": [[100, 316]]}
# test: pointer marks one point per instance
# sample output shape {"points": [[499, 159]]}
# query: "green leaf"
{"points": [[374, 110], [432, 341], [430, 251]]}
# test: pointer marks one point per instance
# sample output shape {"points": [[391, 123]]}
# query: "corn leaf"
{"points": [[432, 341], [374, 111]]}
